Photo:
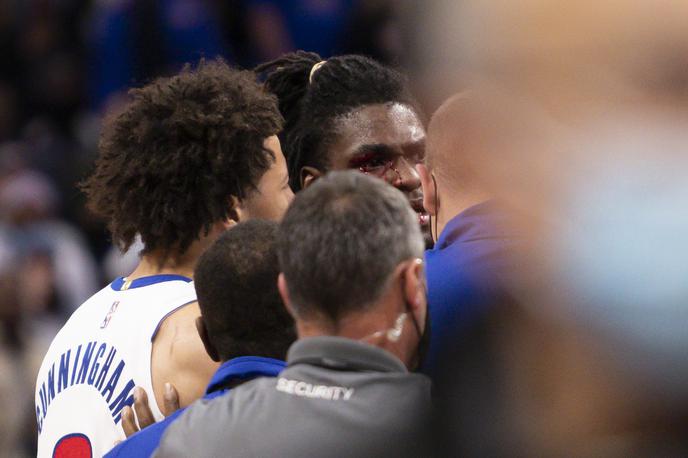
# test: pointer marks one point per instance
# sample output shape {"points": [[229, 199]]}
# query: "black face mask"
{"points": [[424, 333], [433, 219]]}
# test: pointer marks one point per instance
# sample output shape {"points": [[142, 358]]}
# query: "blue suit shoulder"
{"points": [[466, 272]]}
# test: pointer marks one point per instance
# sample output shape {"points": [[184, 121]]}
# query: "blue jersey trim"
{"points": [[147, 281], [242, 368], [157, 327]]}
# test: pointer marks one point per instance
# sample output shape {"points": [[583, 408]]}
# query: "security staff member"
{"points": [[350, 252]]}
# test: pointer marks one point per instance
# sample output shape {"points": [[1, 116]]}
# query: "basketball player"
{"points": [[348, 112], [189, 157]]}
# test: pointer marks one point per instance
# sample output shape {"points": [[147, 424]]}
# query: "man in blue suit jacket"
{"points": [[243, 322], [474, 234]]}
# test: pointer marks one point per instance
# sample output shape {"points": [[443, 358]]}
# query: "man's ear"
{"points": [[414, 288], [236, 214], [203, 334], [309, 175], [284, 294], [430, 198]]}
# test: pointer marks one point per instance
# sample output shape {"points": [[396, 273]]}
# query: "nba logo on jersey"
{"points": [[108, 317]]}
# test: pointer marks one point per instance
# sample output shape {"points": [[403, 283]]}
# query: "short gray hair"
{"points": [[340, 241]]}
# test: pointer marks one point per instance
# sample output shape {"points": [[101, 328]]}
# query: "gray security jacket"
{"points": [[336, 398]]}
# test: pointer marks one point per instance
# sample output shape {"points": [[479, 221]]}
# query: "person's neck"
{"points": [[453, 203], [150, 265], [370, 327], [157, 264]]}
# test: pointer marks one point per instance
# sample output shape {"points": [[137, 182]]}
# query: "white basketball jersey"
{"points": [[96, 360]]}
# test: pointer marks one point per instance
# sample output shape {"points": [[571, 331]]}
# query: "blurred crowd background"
{"points": [[64, 64]]}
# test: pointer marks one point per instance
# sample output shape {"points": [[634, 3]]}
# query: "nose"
{"points": [[408, 179]]}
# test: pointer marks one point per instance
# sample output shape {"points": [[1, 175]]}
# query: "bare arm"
{"points": [[179, 358]]}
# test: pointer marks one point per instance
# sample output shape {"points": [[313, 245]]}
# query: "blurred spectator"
{"points": [[46, 270], [13, 405], [8, 110], [49, 55], [581, 123], [134, 40], [53, 250], [276, 26], [374, 29]]}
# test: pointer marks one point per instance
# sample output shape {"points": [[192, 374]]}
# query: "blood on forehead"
{"points": [[395, 126]]}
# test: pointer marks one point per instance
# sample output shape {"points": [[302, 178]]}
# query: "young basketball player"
{"points": [[348, 112], [189, 157]]}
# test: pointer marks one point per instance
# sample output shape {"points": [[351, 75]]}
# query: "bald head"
{"points": [[451, 177], [448, 143]]}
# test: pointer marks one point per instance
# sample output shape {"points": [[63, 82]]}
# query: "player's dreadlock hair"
{"points": [[310, 102], [170, 161]]}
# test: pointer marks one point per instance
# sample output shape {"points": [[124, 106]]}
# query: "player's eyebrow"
{"points": [[416, 148], [375, 148]]}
